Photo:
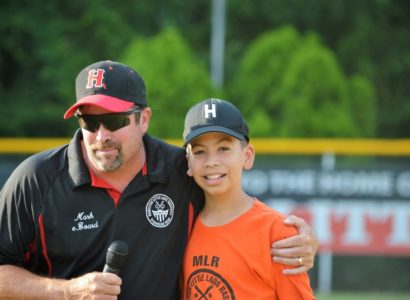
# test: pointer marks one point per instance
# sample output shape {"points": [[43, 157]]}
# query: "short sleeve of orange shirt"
{"points": [[287, 286]]}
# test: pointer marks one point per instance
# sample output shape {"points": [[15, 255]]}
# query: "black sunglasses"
{"points": [[112, 121]]}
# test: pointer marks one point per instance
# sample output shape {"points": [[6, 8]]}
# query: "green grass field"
{"points": [[363, 296]]}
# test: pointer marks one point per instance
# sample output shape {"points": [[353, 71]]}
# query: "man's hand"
{"points": [[298, 250], [98, 286], [18, 283]]}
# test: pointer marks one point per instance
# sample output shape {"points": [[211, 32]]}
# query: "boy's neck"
{"points": [[222, 209]]}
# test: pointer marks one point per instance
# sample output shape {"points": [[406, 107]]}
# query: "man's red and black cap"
{"points": [[109, 85]]}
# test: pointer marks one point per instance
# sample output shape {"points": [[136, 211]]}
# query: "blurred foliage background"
{"points": [[296, 68]]}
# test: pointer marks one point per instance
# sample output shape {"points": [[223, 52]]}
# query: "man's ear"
{"points": [[249, 157], [145, 119]]}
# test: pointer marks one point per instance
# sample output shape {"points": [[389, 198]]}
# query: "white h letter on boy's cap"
{"points": [[210, 111]]}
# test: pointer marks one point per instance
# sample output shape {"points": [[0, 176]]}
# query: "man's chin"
{"points": [[108, 166]]}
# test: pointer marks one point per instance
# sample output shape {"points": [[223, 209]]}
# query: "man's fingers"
{"points": [[307, 263], [295, 271], [293, 255], [301, 225], [293, 241], [293, 252], [111, 278], [293, 220], [287, 261], [111, 284], [294, 261], [305, 240]]}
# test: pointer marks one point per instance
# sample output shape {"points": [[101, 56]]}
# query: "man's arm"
{"points": [[18, 283], [298, 250]]}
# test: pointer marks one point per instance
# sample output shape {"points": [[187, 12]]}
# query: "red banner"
{"points": [[355, 227]]}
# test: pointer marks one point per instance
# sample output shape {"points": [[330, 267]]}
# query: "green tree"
{"points": [[301, 88], [368, 37], [175, 79], [43, 48]]}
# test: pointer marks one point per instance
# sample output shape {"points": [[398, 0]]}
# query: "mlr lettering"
{"points": [[204, 260]]}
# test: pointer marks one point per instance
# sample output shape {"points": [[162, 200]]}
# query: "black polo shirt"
{"points": [[54, 223]]}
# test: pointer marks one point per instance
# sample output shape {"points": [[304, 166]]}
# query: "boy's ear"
{"points": [[249, 157], [189, 171]]}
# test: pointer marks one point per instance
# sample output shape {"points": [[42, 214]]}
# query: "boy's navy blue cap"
{"points": [[109, 85], [214, 115]]}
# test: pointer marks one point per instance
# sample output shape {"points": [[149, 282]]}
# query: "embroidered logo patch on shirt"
{"points": [[207, 284], [160, 210]]}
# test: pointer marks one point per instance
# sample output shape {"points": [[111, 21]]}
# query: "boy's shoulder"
{"points": [[268, 212], [273, 219]]}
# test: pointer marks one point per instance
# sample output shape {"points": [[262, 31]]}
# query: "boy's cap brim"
{"points": [[200, 131]]}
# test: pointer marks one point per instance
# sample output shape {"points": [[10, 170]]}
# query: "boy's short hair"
{"points": [[214, 115]]}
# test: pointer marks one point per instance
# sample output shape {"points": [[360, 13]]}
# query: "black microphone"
{"points": [[116, 256]]}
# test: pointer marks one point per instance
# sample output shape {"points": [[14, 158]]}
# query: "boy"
{"points": [[227, 256]]}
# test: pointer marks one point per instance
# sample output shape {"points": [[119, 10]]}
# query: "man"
{"points": [[61, 209]]}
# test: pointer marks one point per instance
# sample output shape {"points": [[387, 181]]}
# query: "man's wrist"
{"points": [[57, 289]]}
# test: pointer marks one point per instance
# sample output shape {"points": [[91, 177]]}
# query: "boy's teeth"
{"points": [[213, 176]]}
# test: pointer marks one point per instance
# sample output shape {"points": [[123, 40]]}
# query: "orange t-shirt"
{"points": [[233, 261]]}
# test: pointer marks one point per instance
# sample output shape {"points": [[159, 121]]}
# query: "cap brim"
{"points": [[107, 102], [197, 132]]}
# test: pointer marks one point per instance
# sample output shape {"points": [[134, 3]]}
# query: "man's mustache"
{"points": [[105, 145]]}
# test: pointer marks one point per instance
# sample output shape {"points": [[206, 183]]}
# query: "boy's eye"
{"points": [[198, 152], [223, 148]]}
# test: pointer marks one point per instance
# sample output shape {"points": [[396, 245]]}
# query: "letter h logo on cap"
{"points": [[95, 78], [209, 111]]}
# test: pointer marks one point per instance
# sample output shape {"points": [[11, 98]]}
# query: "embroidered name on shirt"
{"points": [[84, 221]]}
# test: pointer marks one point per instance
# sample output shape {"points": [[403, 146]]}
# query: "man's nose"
{"points": [[102, 133]]}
